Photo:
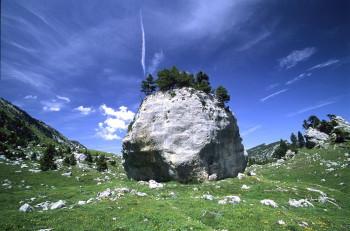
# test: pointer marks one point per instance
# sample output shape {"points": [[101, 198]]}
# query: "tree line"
{"points": [[169, 79]]}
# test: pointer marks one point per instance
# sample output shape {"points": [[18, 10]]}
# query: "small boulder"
{"points": [[208, 197], [299, 203], [26, 208], [269, 203], [67, 174], [58, 204], [81, 202], [153, 184]]}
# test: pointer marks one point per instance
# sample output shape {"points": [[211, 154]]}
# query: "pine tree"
{"points": [[221, 95], [47, 160], [281, 150], [89, 157], [102, 164], [294, 140], [202, 82], [301, 140], [148, 86], [72, 160], [167, 79], [66, 161]]}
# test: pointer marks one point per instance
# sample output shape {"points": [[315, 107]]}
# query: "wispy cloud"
{"points": [[31, 97], [325, 64], [63, 98], [247, 132], [84, 110], [299, 77], [295, 57], [143, 52], [52, 105], [116, 122], [254, 41], [157, 58], [273, 95], [313, 107], [272, 86]]}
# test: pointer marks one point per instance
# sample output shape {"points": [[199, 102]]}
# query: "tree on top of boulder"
{"points": [[221, 94], [148, 86], [202, 82]]}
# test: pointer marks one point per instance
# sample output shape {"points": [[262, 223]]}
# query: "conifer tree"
{"points": [[294, 140], [148, 86], [301, 140], [202, 82], [102, 164], [47, 160], [72, 160], [221, 95], [89, 157]]}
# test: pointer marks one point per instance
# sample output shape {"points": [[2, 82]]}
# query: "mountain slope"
{"points": [[17, 128], [263, 152]]}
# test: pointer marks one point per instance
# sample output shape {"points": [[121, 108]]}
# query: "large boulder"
{"points": [[315, 137], [183, 135], [342, 124]]}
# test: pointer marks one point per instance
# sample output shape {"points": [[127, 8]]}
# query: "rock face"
{"points": [[316, 137], [341, 124], [183, 135]]}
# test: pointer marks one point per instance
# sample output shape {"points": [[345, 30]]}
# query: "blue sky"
{"points": [[78, 65]]}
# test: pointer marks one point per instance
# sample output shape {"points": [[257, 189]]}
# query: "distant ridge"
{"points": [[18, 127], [263, 151]]}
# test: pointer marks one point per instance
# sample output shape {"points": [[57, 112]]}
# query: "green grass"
{"points": [[186, 210]]}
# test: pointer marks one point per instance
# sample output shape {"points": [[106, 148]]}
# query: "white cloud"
{"points": [[299, 77], [84, 110], [157, 58], [48, 108], [31, 97], [63, 98], [143, 51], [52, 105], [273, 95], [306, 109], [296, 56], [325, 64], [247, 132], [116, 121], [123, 113]]}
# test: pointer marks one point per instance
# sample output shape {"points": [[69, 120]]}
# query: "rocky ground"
{"points": [[307, 192]]}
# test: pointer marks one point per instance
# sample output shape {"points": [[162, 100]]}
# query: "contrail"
{"points": [[143, 46]]}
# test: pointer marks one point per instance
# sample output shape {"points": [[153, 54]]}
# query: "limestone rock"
{"points": [[316, 137], [269, 202], [26, 208], [183, 135], [58, 204], [341, 124]]}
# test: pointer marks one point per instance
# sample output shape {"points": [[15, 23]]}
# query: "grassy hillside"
{"points": [[181, 206]]}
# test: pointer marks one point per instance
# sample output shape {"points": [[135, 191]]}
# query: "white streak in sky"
{"points": [[143, 53], [326, 64], [245, 133], [321, 104], [273, 95]]}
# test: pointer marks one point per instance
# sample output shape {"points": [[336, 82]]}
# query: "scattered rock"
{"points": [[240, 176], [67, 174], [81, 202], [26, 208], [153, 184], [281, 222], [213, 177], [58, 204], [208, 197], [299, 203], [105, 193], [251, 173], [269, 202], [245, 187]]}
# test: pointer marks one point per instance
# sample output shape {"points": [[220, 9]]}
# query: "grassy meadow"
{"points": [[181, 206]]}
